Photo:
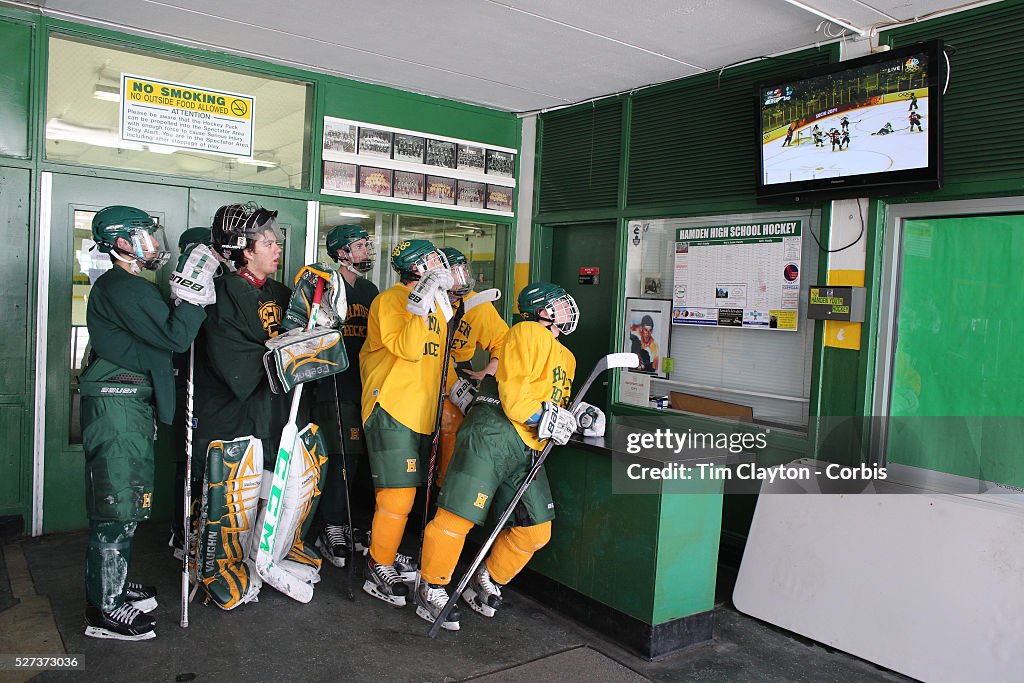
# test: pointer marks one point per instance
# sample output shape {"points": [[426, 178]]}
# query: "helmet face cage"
{"points": [[366, 265], [433, 260], [464, 281], [564, 313], [146, 245], [240, 223]]}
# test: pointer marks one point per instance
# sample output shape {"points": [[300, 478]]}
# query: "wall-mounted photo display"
{"points": [[338, 176], [375, 143], [471, 195], [340, 137], [409, 185], [409, 148], [440, 153], [471, 158], [499, 198], [375, 181], [440, 190], [501, 163], [648, 326]]}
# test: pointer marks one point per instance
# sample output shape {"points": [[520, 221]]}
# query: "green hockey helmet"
{"points": [[548, 302], [358, 257], [235, 226], [412, 258], [461, 274], [138, 228], [195, 236]]}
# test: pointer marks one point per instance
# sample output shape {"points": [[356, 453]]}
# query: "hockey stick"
{"points": [[279, 578], [486, 296], [348, 492], [186, 536], [612, 360], [453, 327]]}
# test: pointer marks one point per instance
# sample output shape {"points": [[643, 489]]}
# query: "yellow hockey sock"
{"points": [[513, 549], [388, 526], [442, 545]]}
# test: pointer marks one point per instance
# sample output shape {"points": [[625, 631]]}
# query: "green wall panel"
{"points": [[15, 77], [13, 466], [689, 532], [579, 167]]}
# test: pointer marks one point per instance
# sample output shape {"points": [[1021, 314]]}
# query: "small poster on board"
{"points": [[440, 190], [375, 181], [338, 176], [648, 325]]}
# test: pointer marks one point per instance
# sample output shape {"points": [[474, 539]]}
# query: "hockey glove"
{"points": [[192, 279], [556, 423], [590, 420], [333, 304], [422, 297], [462, 394]]}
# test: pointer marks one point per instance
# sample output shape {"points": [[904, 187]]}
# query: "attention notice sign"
{"points": [[186, 116]]}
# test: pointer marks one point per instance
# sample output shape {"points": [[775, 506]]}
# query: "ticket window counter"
{"points": [[69, 266]]}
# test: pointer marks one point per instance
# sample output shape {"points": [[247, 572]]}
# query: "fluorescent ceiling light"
{"points": [[828, 17], [107, 93], [352, 214], [252, 161]]}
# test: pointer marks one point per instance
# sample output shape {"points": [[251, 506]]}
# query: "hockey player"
{"points": [[833, 135], [133, 333], [844, 123], [481, 326], [351, 248], [789, 134], [884, 130], [819, 137], [844, 141], [239, 418], [495, 449], [400, 365], [915, 120], [913, 101]]}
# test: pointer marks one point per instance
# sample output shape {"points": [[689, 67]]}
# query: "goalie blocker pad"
{"points": [[231, 489], [292, 555], [300, 356]]}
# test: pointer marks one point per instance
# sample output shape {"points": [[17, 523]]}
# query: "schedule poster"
{"points": [[745, 276]]}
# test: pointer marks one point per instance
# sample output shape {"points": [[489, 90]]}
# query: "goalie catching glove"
{"points": [[431, 291], [462, 394], [557, 424], [333, 304], [590, 420], [300, 355], [192, 279]]}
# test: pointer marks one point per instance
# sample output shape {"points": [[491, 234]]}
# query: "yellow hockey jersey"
{"points": [[400, 362], [535, 367], [480, 326]]}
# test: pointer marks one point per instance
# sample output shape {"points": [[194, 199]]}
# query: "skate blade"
{"points": [[447, 626], [146, 606], [371, 588], [470, 597], [408, 577], [338, 562], [97, 632]]}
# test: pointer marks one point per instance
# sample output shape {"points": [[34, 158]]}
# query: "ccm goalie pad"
{"points": [[301, 495], [300, 356], [231, 490]]}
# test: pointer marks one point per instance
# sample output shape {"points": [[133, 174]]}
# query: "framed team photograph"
{"points": [[374, 142], [499, 198], [471, 158], [440, 190], [338, 176], [648, 328], [471, 195], [375, 181], [501, 163], [409, 185], [340, 137], [409, 148], [441, 153]]}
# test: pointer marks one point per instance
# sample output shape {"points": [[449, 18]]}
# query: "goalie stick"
{"points": [[186, 535], [271, 573], [612, 360], [349, 590]]}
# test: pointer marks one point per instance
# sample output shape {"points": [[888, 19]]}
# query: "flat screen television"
{"points": [[864, 127]]}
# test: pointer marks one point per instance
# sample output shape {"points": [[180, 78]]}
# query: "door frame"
{"points": [[896, 216]]}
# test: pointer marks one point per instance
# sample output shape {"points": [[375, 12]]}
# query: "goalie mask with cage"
{"points": [[412, 258], [547, 302], [236, 226], [135, 226], [461, 274], [357, 250]]}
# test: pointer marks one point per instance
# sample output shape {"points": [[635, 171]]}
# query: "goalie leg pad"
{"points": [[231, 488], [301, 495]]}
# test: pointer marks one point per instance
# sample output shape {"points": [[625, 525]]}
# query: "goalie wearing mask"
{"points": [[239, 418], [129, 382], [506, 426]]}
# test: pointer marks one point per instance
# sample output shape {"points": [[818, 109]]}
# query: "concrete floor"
{"points": [[331, 638]]}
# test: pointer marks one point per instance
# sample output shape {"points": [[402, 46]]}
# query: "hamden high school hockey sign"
{"points": [[180, 116]]}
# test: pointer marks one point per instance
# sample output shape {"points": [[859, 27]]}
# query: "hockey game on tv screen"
{"points": [[871, 119]]}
